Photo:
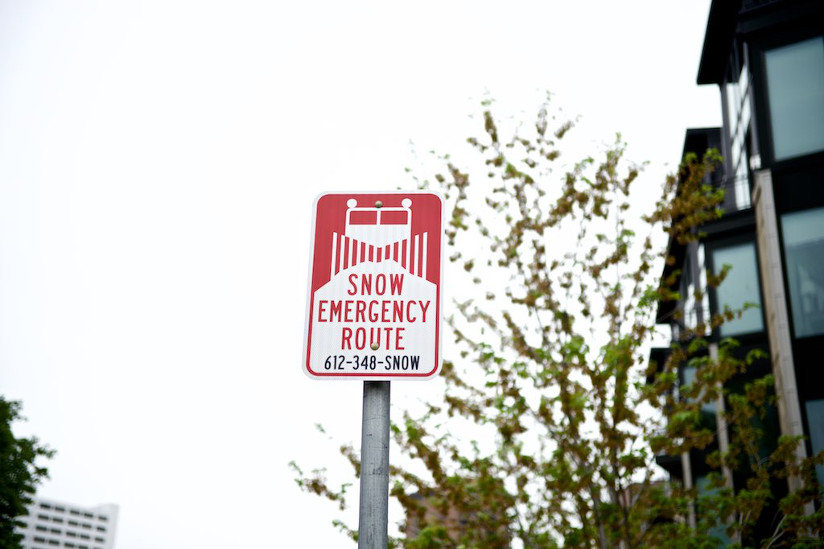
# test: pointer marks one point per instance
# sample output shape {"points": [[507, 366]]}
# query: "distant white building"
{"points": [[52, 524]]}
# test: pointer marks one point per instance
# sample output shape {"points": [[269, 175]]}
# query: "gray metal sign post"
{"points": [[373, 313], [373, 520]]}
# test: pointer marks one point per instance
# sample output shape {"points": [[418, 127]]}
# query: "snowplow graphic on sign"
{"points": [[374, 300]]}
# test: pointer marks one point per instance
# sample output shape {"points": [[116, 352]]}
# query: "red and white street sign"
{"points": [[374, 303]]}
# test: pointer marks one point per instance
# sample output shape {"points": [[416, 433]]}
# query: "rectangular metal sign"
{"points": [[374, 302]]}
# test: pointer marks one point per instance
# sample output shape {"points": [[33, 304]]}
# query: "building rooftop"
{"points": [[718, 38]]}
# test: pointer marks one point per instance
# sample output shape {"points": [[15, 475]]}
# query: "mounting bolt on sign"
{"points": [[374, 302]]}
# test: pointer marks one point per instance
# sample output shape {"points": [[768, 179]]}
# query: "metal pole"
{"points": [[374, 471]]}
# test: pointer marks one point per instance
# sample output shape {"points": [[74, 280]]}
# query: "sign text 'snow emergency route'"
{"points": [[374, 302]]}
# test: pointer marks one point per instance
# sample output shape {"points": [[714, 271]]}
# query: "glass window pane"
{"points": [[706, 491], [688, 374], [795, 83], [815, 419], [804, 250], [740, 287], [687, 290]]}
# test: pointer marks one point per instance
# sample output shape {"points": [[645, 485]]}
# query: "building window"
{"points": [[739, 289], [738, 118], [706, 490], [688, 374], [687, 290], [815, 420], [694, 302], [795, 84], [804, 249]]}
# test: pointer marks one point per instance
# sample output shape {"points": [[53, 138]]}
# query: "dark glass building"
{"points": [[767, 59]]}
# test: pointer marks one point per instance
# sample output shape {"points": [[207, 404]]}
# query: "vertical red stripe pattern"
{"points": [[408, 253]]}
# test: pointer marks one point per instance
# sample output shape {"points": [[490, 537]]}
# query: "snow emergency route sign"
{"points": [[374, 302]]}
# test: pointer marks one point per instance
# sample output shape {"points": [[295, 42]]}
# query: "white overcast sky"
{"points": [[158, 162]]}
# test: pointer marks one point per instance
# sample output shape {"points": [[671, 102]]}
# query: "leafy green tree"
{"points": [[19, 472], [551, 415]]}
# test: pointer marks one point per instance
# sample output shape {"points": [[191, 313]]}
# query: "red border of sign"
{"points": [[318, 273]]}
